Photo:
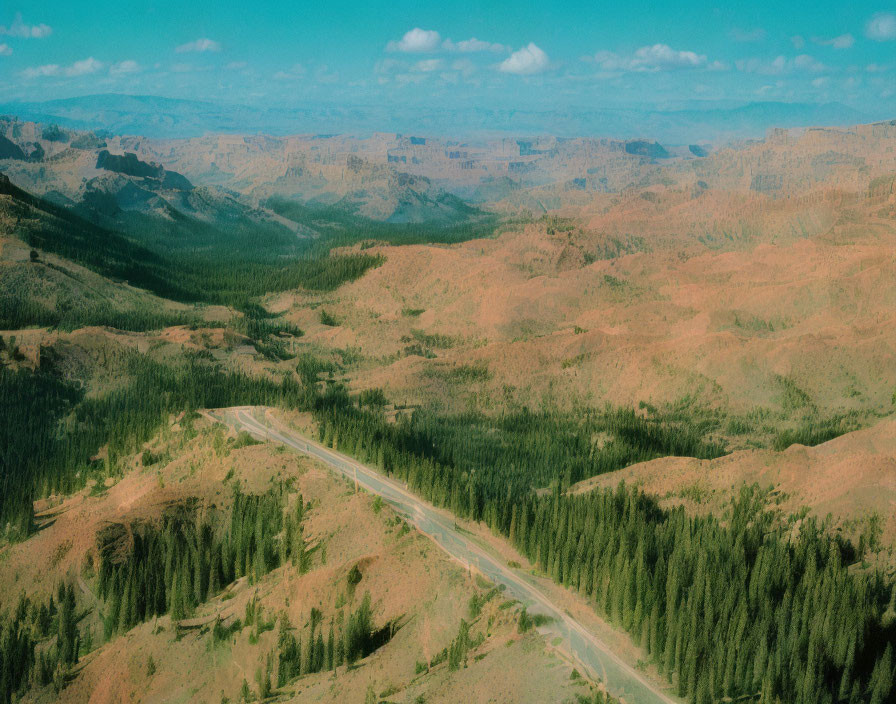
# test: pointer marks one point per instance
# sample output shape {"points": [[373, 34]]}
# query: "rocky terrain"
{"points": [[736, 300]]}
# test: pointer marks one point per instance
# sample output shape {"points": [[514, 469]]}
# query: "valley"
{"points": [[592, 654], [546, 419]]}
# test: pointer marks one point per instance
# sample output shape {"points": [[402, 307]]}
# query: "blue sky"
{"points": [[495, 54]]}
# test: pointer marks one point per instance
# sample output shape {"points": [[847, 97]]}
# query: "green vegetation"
{"points": [[434, 340], [477, 601], [463, 460], [187, 261], [760, 326], [456, 651], [340, 227], [460, 646], [741, 607], [350, 637], [726, 610], [814, 431], [327, 319], [422, 344], [460, 374], [20, 311], [39, 644], [192, 261], [271, 338], [59, 428], [372, 398], [147, 570]]}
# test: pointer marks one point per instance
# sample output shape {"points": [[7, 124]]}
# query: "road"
{"points": [[595, 657]]}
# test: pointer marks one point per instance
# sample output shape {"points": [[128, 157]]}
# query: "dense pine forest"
{"points": [[740, 606], [39, 643], [467, 461]]}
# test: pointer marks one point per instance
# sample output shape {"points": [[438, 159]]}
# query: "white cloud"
{"points": [[469, 46], [780, 65], [427, 41], [798, 42], [820, 82], [198, 46], [236, 65], [657, 57], [416, 41], [124, 67], [429, 65], [24, 31], [804, 62], [83, 67], [79, 68], [525, 62], [662, 56], [844, 41], [40, 71], [881, 27], [5, 50]]}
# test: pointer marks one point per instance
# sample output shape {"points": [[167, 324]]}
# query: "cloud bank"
{"points": [[24, 31], [656, 57], [424, 41], [79, 68]]}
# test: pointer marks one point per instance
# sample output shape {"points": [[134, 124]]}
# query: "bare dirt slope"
{"points": [[782, 330], [851, 478], [408, 578]]}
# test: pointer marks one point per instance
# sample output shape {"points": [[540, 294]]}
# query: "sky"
{"points": [[500, 54]]}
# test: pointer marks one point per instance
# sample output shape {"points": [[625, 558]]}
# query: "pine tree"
{"points": [[882, 677]]}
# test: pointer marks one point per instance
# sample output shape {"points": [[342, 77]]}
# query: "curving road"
{"points": [[621, 680]]}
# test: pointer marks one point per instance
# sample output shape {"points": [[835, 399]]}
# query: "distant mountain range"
{"points": [[153, 116]]}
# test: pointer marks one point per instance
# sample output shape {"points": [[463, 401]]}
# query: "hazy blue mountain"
{"points": [[153, 116]]}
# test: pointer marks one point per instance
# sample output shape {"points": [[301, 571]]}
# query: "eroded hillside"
{"points": [[507, 328]]}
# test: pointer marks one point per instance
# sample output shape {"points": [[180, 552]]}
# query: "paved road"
{"points": [[622, 680]]}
